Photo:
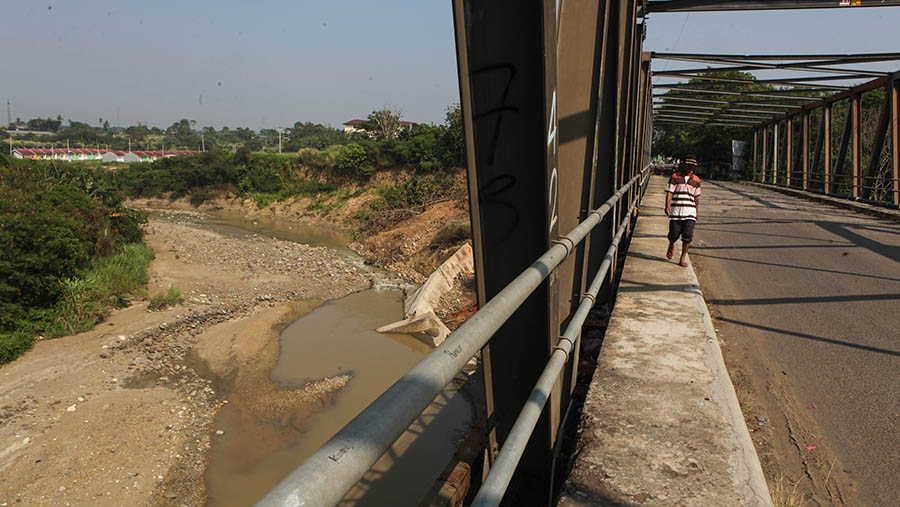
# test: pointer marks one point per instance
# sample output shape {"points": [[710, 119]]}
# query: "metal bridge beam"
{"points": [[506, 55], [747, 5]]}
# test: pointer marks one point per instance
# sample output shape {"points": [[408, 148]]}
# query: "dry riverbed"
{"points": [[124, 414]]}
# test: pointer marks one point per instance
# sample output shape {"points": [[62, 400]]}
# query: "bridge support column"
{"points": [[828, 157], [855, 103], [775, 153], [895, 139], [805, 145]]}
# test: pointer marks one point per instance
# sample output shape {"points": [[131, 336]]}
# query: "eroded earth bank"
{"points": [[126, 414]]}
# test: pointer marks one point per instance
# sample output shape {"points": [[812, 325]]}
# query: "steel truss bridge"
{"points": [[558, 106]]}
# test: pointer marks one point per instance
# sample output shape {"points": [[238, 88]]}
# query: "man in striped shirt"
{"points": [[682, 203]]}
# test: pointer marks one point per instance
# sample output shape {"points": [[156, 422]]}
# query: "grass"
{"points": [[310, 188], [451, 234], [333, 200], [86, 299], [162, 300], [786, 495]]}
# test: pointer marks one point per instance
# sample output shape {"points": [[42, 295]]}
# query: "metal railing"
{"points": [[326, 476], [495, 484]]}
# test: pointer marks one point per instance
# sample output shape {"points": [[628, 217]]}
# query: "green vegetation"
{"points": [[181, 135], [710, 143], [398, 202], [452, 234], [70, 251], [162, 300]]}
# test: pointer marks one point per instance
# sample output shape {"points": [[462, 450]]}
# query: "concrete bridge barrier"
{"points": [[661, 423]]}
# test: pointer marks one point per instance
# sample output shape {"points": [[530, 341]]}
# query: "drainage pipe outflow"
{"points": [[494, 486], [326, 476]]}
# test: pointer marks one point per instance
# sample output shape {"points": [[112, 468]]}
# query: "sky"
{"points": [[268, 64], [809, 31]]}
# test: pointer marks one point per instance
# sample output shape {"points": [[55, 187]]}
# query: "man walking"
{"points": [[682, 203]]}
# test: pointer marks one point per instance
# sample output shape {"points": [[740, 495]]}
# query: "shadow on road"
{"points": [[777, 265], [803, 300], [810, 337]]}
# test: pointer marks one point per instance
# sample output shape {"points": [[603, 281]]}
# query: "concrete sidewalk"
{"points": [[661, 424]]}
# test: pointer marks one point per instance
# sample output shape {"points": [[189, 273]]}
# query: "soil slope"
{"points": [[123, 414]]}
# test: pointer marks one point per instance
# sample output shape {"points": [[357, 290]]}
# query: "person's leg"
{"points": [[674, 233], [684, 250], [687, 236]]}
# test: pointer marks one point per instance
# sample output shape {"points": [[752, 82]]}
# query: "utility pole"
{"points": [[129, 144], [8, 114], [202, 143], [279, 140]]}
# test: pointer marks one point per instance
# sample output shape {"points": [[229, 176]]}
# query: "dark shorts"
{"points": [[683, 229]]}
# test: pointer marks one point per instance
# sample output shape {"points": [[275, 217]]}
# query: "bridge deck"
{"points": [[805, 297], [662, 424]]}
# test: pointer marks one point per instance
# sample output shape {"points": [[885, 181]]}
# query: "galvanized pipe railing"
{"points": [[494, 486], [326, 476]]}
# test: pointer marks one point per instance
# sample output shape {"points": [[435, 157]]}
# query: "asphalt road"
{"points": [[818, 288]]}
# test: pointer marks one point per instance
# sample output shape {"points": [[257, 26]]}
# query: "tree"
{"points": [[455, 138], [710, 143], [384, 123]]}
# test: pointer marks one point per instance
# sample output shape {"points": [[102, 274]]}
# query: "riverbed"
{"points": [[334, 339]]}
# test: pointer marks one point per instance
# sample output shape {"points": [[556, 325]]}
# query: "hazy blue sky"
{"points": [[269, 64]]}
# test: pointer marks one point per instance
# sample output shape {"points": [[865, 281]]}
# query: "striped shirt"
{"points": [[685, 190]]}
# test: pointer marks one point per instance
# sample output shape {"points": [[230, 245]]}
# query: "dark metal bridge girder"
{"points": [[556, 110], [654, 6]]}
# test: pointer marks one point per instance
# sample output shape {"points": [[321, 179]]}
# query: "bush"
{"points": [[352, 159], [13, 345], [163, 300], [84, 299], [451, 234], [55, 223], [398, 202]]}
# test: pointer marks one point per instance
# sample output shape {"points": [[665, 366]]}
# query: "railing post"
{"points": [[805, 145], [755, 145], [828, 157], [765, 154], [895, 139], [775, 156], [855, 103], [789, 163]]}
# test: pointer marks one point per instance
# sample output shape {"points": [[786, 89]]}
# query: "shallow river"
{"points": [[336, 338]]}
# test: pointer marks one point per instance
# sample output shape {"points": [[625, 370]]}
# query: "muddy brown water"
{"points": [[336, 338], [234, 223]]}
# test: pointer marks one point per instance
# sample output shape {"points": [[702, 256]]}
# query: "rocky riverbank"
{"points": [[124, 414]]}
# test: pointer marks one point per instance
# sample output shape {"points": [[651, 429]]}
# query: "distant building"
{"points": [[355, 125], [95, 154], [21, 132]]}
